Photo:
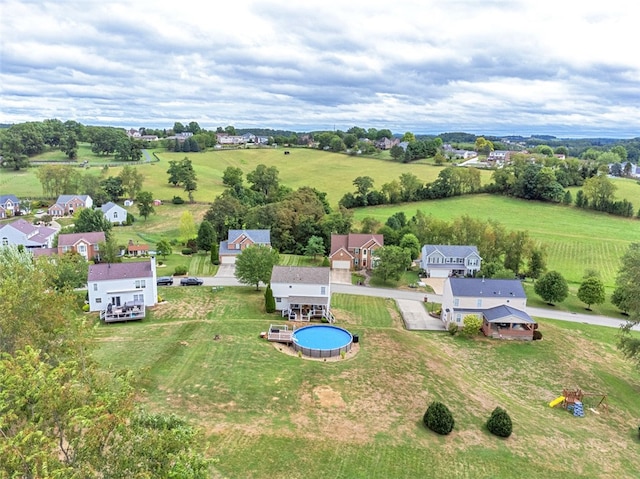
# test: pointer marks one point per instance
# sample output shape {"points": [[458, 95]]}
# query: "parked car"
{"points": [[164, 281], [191, 282]]}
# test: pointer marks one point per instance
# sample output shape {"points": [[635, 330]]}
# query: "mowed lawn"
{"points": [[267, 414], [575, 239]]}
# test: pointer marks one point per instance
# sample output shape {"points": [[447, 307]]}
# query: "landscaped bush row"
{"points": [[439, 419]]}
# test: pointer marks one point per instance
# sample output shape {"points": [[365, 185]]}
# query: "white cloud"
{"points": [[424, 66]]}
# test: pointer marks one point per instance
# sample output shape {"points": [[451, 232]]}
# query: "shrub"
{"points": [[537, 335], [269, 300], [130, 219], [187, 251], [453, 329], [160, 299], [193, 245], [326, 263], [500, 423], [177, 200], [180, 270], [438, 418], [85, 308], [472, 325]]}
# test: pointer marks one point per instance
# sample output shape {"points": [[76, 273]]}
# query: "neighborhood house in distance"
{"points": [[21, 232], [86, 245], [9, 206], [238, 240], [500, 303], [442, 261], [354, 250]]}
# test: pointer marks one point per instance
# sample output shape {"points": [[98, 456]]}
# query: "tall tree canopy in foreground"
{"points": [[60, 414], [627, 297]]}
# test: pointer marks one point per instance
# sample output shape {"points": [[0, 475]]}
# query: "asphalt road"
{"points": [[228, 280]]}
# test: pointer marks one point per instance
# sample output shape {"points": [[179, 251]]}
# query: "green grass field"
{"points": [[268, 414], [575, 239]]}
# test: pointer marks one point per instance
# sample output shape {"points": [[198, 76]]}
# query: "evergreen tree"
{"points": [[499, 423]]}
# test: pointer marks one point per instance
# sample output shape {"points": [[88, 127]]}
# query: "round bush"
{"points": [[187, 251], [500, 423], [180, 270], [177, 200], [438, 418], [537, 335]]}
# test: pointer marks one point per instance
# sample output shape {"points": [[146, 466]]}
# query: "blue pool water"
{"points": [[322, 340]]}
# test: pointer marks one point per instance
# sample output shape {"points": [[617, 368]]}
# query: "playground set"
{"points": [[573, 401]]}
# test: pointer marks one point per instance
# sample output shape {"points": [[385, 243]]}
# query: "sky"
{"points": [[567, 68]]}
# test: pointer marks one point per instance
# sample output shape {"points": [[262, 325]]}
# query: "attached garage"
{"points": [[341, 264], [439, 273], [227, 260]]}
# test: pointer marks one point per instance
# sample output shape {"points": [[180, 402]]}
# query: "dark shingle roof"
{"points": [[110, 271], [497, 313], [487, 288], [300, 275], [257, 236]]}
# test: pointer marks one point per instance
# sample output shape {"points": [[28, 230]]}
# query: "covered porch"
{"points": [[306, 308], [505, 322]]}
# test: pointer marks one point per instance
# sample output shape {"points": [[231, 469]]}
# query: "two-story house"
{"points": [[21, 232], [500, 303], [114, 213], [86, 245], [302, 293], [9, 206], [122, 291], [238, 240], [67, 204], [442, 261], [354, 251]]}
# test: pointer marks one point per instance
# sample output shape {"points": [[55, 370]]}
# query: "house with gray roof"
{"points": [[500, 303], [67, 204], [238, 240], [302, 292], [442, 261], [122, 291], [9, 206], [21, 232], [114, 213]]}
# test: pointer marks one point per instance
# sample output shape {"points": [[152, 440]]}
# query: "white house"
{"points": [[114, 213], [442, 261], [117, 288], [302, 293], [21, 232], [500, 303]]}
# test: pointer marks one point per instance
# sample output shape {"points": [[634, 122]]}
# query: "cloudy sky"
{"points": [[561, 67]]}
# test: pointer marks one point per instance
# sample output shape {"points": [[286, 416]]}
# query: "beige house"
{"points": [[500, 303]]}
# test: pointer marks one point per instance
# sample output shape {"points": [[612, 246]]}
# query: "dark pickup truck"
{"points": [[191, 282]]}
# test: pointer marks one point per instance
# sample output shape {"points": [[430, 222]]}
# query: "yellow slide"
{"points": [[556, 401]]}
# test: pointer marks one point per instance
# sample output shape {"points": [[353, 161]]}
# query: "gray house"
{"points": [[238, 240], [442, 261]]}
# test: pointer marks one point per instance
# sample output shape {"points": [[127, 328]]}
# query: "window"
{"points": [[479, 303], [456, 301], [356, 250], [95, 286], [82, 248], [364, 252], [66, 249], [143, 283], [96, 247], [140, 283], [5, 241], [115, 214], [323, 290], [458, 317], [278, 300], [98, 300], [138, 297], [355, 261]]}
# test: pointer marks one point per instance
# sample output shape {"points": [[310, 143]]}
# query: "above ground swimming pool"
{"points": [[322, 340]]}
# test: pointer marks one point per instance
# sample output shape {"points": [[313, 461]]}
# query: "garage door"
{"points": [[439, 273], [341, 264], [228, 260]]}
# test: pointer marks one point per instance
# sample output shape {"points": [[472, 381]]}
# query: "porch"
{"points": [[306, 308], [129, 311], [519, 331]]}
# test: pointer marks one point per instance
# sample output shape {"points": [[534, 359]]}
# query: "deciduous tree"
{"points": [[255, 263], [392, 262], [552, 287], [627, 297], [144, 201], [591, 291]]}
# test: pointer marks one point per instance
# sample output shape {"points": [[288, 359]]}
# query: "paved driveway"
{"points": [[226, 271], [415, 316], [341, 276]]}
